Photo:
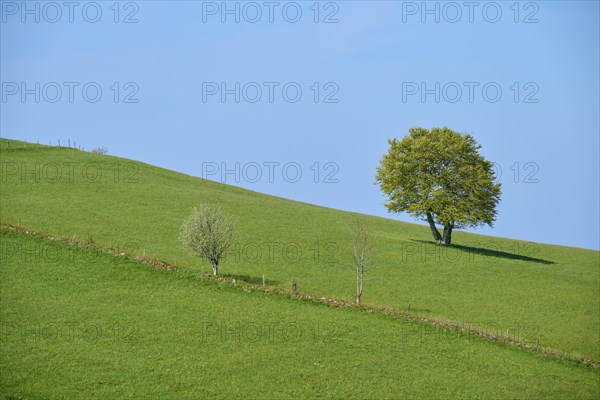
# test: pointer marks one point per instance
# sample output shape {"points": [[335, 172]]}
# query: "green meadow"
{"points": [[81, 325]]}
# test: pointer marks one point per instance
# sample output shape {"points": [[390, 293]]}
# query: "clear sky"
{"points": [[317, 89]]}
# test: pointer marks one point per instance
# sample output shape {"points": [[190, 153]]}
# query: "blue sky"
{"points": [[521, 77]]}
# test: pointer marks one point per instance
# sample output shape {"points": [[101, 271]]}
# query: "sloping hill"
{"points": [[80, 324], [538, 292]]}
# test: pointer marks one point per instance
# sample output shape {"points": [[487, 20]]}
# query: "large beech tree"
{"points": [[439, 176]]}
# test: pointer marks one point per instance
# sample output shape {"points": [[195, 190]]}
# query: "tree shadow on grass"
{"points": [[527, 250], [254, 280]]}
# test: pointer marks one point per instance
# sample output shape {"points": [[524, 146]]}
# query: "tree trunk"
{"points": [[447, 239], [436, 234], [215, 268], [359, 281]]}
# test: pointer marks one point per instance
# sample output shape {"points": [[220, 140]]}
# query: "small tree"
{"points": [[439, 176], [363, 254], [99, 150], [209, 233]]}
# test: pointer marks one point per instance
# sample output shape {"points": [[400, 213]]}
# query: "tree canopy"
{"points": [[209, 233], [439, 176]]}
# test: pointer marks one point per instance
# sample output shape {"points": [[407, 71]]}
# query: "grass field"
{"points": [[528, 291], [508, 284], [77, 324]]}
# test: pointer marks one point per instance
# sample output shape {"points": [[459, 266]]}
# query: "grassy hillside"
{"points": [[538, 292], [76, 325]]}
